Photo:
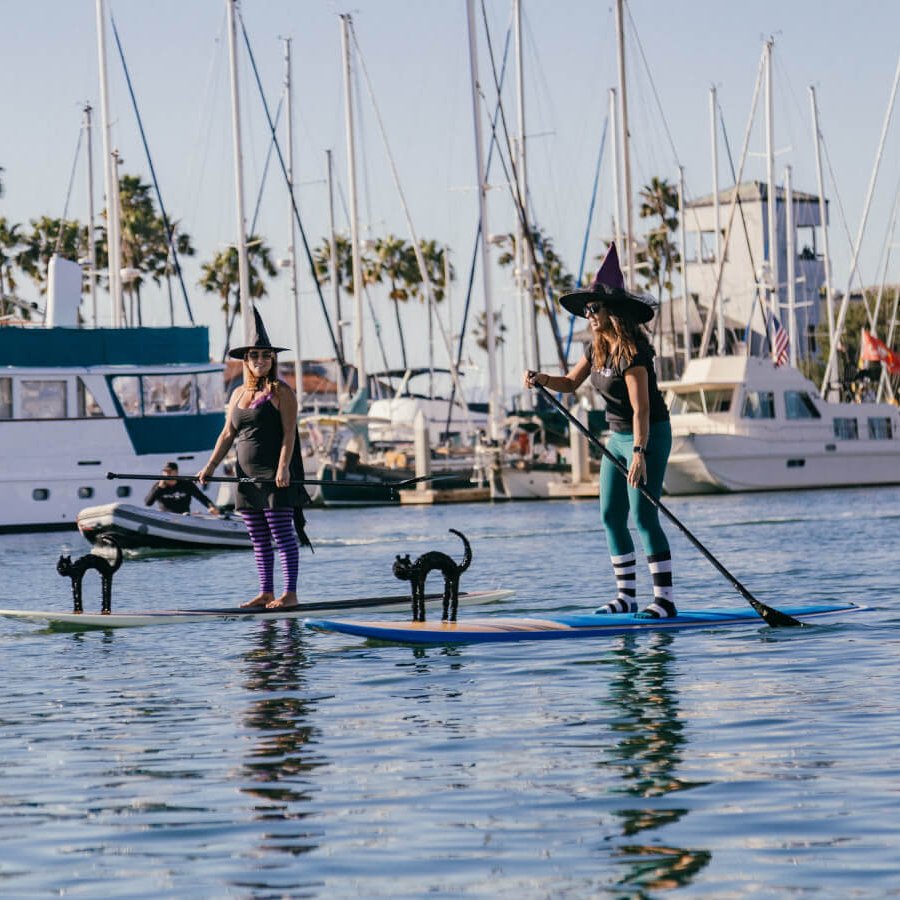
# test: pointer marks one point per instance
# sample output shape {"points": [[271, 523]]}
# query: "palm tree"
{"points": [[220, 276], [48, 237], [11, 246], [659, 259], [395, 261]]}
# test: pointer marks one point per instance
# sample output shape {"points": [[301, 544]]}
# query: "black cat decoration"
{"points": [[77, 569], [417, 571]]}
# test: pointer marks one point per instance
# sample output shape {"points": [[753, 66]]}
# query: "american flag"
{"points": [[780, 341]]}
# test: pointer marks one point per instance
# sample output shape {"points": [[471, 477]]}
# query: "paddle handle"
{"points": [[245, 479], [772, 616]]}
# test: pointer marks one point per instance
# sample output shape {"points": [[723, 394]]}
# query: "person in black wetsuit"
{"points": [[174, 496], [261, 421]]}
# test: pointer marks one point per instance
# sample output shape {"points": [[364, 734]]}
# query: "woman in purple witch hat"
{"points": [[261, 420], [619, 361]]}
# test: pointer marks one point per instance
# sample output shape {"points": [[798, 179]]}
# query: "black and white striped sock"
{"points": [[625, 569], [663, 605]]}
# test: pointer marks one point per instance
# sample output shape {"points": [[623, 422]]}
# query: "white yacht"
{"points": [[743, 424], [76, 403]]}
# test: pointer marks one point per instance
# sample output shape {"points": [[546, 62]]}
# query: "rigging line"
{"points": [[170, 229], [309, 257], [265, 171], [62, 221], [659, 105], [376, 322], [762, 308], [416, 244], [492, 144], [519, 202], [587, 230]]}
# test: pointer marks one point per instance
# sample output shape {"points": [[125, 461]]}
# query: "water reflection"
{"points": [[643, 691], [284, 753]]}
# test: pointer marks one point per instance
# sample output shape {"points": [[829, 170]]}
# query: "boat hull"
{"points": [[139, 528]]}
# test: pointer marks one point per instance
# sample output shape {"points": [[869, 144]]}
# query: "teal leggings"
{"points": [[617, 498]]}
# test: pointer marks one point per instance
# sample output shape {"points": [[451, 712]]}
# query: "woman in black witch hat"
{"points": [[261, 420], [619, 361]]}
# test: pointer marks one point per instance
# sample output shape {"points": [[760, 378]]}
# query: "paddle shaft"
{"points": [[244, 479], [770, 615]]}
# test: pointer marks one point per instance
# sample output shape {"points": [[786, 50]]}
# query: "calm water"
{"points": [[261, 760]]}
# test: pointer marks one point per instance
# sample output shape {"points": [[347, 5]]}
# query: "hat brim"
{"points": [[619, 303], [238, 352]]}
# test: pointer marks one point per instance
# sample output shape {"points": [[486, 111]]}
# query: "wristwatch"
{"points": [[639, 449]]}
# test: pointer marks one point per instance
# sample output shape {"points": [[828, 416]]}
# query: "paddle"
{"points": [[771, 616], [237, 479]]}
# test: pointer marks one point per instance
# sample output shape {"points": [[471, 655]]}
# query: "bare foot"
{"points": [[262, 599], [286, 601]]}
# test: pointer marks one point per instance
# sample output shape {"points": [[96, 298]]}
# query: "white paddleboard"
{"points": [[69, 621]]}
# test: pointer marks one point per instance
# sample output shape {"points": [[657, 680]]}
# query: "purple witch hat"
{"points": [[259, 338], [608, 289]]}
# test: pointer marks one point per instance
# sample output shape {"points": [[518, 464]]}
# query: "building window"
{"points": [[42, 399], [799, 405], [846, 429], [880, 428], [758, 405]]}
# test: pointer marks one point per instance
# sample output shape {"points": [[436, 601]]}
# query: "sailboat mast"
{"points": [[110, 176], [790, 268], [92, 246], [772, 202], [359, 348], [493, 428], [333, 267], [529, 314], [714, 135], [626, 154], [243, 265], [616, 179], [685, 297], [823, 215], [292, 247]]}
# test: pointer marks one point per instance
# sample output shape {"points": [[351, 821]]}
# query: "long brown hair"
{"points": [[269, 381], [618, 343]]}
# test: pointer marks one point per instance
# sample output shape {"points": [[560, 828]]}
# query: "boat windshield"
{"points": [[704, 400], [799, 405]]}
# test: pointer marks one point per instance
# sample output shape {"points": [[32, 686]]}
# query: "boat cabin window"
{"points": [[880, 428], [758, 405], [88, 407], [705, 400], [846, 429], [42, 399], [165, 394], [127, 389], [799, 405], [5, 398], [210, 392]]}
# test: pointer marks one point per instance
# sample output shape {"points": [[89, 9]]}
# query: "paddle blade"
{"points": [[773, 617]]}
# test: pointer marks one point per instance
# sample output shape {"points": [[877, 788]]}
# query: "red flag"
{"points": [[873, 350]]}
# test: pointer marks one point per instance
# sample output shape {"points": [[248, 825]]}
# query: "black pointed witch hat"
{"points": [[259, 338], [609, 291]]}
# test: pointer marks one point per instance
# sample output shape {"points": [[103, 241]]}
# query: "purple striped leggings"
{"points": [[264, 527]]}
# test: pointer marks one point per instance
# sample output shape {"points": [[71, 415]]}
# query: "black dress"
{"points": [[258, 447]]}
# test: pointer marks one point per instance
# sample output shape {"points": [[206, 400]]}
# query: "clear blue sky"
{"points": [[417, 56]]}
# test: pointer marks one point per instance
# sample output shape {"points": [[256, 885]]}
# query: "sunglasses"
{"points": [[259, 354], [592, 309]]}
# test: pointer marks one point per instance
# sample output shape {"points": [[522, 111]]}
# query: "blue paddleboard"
{"points": [[495, 628]]}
